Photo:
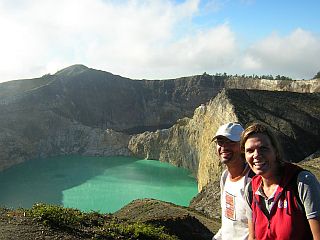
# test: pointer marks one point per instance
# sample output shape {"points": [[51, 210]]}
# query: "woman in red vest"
{"points": [[283, 198]]}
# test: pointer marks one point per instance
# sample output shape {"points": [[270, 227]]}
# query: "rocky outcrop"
{"points": [[295, 117], [23, 138], [207, 201], [79, 139], [180, 221], [188, 143], [301, 86]]}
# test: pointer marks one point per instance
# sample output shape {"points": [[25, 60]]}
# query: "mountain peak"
{"points": [[72, 70]]}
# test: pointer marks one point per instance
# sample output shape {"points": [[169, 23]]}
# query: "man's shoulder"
{"points": [[224, 175], [223, 178], [224, 172]]}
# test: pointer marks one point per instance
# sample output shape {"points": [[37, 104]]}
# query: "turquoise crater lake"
{"points": [[103, 184]]}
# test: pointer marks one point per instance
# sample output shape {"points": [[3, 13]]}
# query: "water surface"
{"points": [[103, 184]]}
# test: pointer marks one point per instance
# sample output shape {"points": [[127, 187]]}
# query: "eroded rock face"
{"points": [[295, 117], [188, 143], [302, 86], [22, 137], [207, 201]]}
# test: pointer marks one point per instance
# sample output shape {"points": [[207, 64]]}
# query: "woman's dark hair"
{"points": [[263, 129]]}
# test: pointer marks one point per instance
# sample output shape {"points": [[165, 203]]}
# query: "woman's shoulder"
{"points": [[307, 177]]}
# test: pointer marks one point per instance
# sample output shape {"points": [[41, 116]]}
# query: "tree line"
{"points": [[255, 76]]}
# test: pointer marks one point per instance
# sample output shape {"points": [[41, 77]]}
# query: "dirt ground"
{"points": [[15, 226]]}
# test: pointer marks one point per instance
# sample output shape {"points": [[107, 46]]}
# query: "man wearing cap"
{"points": [[234, 223]]}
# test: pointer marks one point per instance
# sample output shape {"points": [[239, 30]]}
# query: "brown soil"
{"points": [[14, 225], [186, 223]]}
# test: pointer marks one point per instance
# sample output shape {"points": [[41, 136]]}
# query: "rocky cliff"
{"points": [[188, 143], [22, 137], [295, 117], [301, 86]]}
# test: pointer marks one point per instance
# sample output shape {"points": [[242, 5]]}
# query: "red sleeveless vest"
{"points": [[286, 220]]}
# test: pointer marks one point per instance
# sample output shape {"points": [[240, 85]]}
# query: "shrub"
{"points": [[56, 216], [98, 225]]}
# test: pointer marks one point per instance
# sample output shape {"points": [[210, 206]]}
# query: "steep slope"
{"points": [[294, 116], [9, 91], [103, 100], [29, 134], [188, 143], [181, 221], [302, 86]]}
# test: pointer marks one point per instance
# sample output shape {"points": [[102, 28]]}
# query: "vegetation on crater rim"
{"points": [[91, 225]]}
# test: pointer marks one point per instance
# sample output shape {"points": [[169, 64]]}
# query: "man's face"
{"points": [[227, 150]]}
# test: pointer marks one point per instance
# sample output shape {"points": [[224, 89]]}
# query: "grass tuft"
{"points": [[97, 225]]}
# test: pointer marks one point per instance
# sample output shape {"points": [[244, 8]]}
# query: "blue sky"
{"points": [[160, 39], [257, 19]]}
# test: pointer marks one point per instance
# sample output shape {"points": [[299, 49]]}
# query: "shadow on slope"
{"points": [[295, 117]]}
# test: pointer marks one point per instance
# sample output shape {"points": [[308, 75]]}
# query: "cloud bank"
{"points": [[155, 39]]}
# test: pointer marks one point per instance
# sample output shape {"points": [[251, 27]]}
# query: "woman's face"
{"points": [[261, 155]]}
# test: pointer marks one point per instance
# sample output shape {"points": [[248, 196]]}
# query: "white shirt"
{"points": [[233, 215]]}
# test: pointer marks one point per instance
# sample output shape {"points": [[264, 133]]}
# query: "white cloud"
{"points": [[117, 36], [152, 39], [203, 51], [295, 55]]}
